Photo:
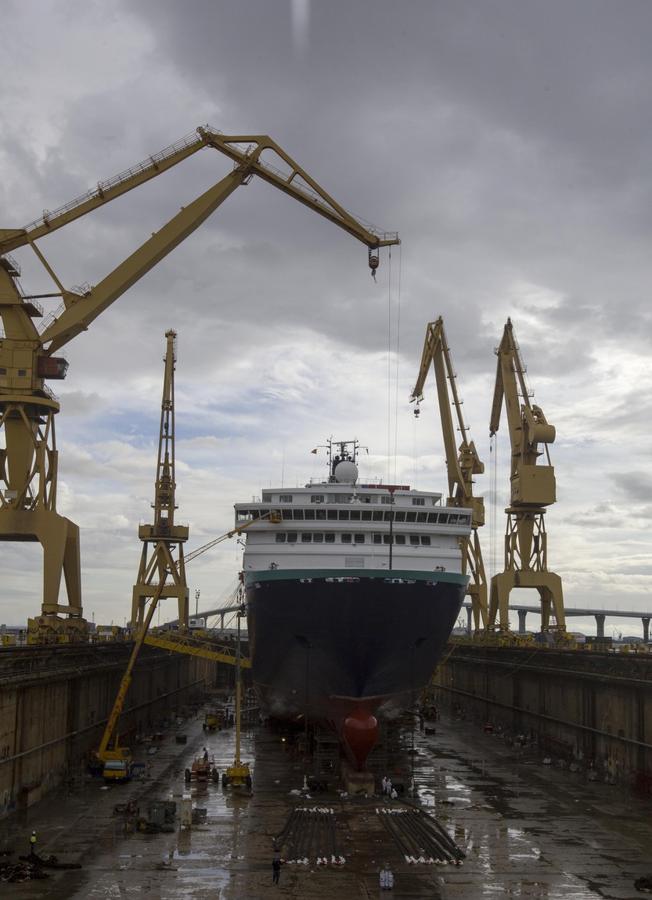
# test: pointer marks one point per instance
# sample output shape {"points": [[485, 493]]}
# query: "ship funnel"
{"points": [[346, 472]]}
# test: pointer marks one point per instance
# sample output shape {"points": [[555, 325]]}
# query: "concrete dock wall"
{"points": [[590, 708], [54, 703]]}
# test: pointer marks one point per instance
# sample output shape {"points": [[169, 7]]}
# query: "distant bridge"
{"points": [[599, 614]]}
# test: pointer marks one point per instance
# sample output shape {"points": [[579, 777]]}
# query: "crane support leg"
{"points": [[59, 538]]}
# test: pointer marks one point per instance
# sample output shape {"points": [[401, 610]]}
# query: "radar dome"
{"points": [[346, 472]]}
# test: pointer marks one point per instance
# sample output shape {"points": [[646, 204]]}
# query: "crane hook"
{"points": [[374, 261]]}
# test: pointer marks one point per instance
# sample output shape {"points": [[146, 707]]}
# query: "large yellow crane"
{"points": [[163, 531], [532, 490], [28, 460], [462, 462]]}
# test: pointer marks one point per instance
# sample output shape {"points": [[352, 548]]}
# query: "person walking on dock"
{"points": [[386, 878], [384, 785], [276, 867], [32, 844]]}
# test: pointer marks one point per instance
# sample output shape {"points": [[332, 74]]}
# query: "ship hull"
{"points": [[331, 642]]}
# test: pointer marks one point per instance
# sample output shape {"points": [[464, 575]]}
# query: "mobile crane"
{"points": [[532, 490], [462, 462], [28, 460]]}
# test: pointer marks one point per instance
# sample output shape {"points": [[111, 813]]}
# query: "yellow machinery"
{"points": [[532, 490], [163, 532], [28, 360], [239, 774], [462, 462]]}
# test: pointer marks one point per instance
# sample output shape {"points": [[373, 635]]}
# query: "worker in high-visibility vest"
{"points": [[32, 843]]}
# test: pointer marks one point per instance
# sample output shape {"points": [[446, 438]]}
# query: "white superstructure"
{"points": [[340, 524]]}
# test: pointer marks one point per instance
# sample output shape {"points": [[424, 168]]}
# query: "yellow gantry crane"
{"points": [[532, 490], [28, 459], [462, 462]]}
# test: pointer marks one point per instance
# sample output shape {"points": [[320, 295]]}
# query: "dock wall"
{"points": [[54, 703], [593, 709]]}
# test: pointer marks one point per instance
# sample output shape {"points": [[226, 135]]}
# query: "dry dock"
{"points": [[528, 830]]}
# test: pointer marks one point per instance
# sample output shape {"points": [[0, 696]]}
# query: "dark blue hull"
{"points": [[329, 642]]}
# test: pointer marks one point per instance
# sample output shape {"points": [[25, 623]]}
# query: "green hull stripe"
{"points": [[292, 574]]}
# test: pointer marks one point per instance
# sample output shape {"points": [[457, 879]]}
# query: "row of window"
{"points": [[317, 537], [359, 515], [346, 498]]}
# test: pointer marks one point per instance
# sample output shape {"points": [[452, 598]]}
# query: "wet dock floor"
{"points": [[528, 831]]}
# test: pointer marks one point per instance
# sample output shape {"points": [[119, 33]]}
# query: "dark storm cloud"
{"points": [[505, 140]]}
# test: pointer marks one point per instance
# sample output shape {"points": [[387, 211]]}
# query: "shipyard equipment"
{"points": [[462, 462], [238, 774], [28, 355], [164, 532], [532, 490]]}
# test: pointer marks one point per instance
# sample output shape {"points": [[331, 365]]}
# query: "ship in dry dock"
{"points": [[352, 590]]}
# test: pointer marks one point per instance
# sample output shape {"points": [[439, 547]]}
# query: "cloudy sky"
{"points": [[506, 140]]}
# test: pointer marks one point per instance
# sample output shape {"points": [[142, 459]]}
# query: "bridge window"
{"points": [[281, 537], [318, 538], [346, 538], [292, 537], [320, 514], [332, 514], [316, 498], [306, 537], [399, 538], [329, 538], [308, 514], [418, 501], [410, 517], [358, 538], [343, 515], [355, 515], [414, 540], [425, 540]]}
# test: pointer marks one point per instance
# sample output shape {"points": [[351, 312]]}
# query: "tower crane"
{"points": [[462, 462], [28, 459], [532, 490], [163, 531]]}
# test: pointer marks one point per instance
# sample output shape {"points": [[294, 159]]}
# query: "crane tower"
{"points": [[532, 490], [163, 539], [462, 462]]}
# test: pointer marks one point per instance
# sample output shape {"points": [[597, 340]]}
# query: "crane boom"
{"points": [[244, 150], [462, 462]]}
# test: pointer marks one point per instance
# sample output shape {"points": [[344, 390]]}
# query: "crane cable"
{"points": [[398, 357], [389, 365], [493, 450]]}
